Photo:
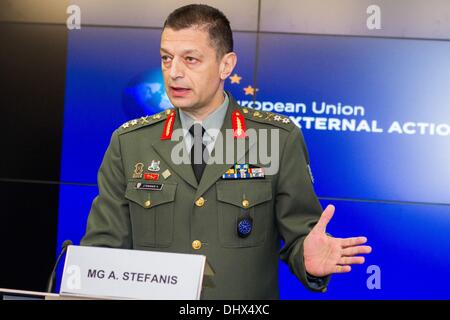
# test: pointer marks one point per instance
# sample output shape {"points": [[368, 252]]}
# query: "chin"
{"points": [[182, 103]]}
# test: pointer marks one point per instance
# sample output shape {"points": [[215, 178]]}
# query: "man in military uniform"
{"points": [[233, 212]]}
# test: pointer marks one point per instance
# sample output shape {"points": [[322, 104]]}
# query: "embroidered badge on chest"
{"points": [[138, 170]]}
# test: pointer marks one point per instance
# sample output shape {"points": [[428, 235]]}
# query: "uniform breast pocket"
{"points": [[152, 214], [237, 199]]}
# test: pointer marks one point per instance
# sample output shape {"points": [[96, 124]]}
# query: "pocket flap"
{"points": [[235, 191], [151, 198]]}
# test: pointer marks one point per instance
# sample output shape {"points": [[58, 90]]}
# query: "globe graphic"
{"points": [[144, 95]]}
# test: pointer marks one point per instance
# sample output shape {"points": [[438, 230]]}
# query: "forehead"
{"points": [[186, 39]]}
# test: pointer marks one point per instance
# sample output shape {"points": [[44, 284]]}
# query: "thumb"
{"points": [[325, 218]]}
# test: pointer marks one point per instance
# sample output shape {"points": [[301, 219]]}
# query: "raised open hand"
{"points": [[324, 255]]}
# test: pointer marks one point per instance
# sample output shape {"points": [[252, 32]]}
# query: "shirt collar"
{"points": [[212, 122]]}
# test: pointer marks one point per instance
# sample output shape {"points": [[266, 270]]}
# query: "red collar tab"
{"points": [[168, 125], [238, 125]]}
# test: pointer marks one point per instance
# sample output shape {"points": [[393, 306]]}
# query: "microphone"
{"points": [[51, 280]]}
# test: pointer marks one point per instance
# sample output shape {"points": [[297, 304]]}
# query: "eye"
{"points": [[166, 59], [191, 60]]}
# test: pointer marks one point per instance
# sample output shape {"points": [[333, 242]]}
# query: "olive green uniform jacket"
{"points": [[201, 218]]}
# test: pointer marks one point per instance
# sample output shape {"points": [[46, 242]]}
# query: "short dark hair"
{"points": [[204, 16]]}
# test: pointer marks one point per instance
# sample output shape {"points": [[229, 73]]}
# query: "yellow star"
{"points": [[235, 79], [250, 90]]}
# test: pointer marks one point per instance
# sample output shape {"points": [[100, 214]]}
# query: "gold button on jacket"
{"points": [[200, 202], [196, 244]]}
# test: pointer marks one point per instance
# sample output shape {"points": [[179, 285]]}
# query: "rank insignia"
{"points": [[144, 120], [151, 176], [149, 186], [154, 166], [138, 169]]}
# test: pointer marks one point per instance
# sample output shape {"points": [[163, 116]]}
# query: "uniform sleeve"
{"points": [[109, 223], [297, 208]]}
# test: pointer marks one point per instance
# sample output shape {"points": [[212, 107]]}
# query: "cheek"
{"points": [[165, 75], [210, 78], [203, 80], [204, 86]]}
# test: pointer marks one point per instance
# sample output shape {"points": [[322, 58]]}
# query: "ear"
{"points": [[227, 65]]}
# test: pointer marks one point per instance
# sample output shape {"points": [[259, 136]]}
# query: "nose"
{"points": [[176, 69]]}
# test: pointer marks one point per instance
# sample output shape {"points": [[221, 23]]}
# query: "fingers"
{"points": [[350, 242], [351, 248], [342, 269], [325, 218], [351, 260], [352, 251]]}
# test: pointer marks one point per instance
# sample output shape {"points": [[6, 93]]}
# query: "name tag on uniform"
{"points": [[149, 186], [243, 171]]}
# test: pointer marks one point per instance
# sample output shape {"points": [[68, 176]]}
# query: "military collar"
{"points": [[212, 123]]}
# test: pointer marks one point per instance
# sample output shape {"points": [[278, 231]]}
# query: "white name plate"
{"points": [[131, 274]]}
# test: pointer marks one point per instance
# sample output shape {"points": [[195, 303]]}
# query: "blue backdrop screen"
{"points": [[374, 113]]}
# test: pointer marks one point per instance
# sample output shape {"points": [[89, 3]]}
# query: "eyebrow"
{"points": [[187, 51]]}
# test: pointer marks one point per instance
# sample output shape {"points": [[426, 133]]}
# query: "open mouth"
{"points": [[179, 91]]}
